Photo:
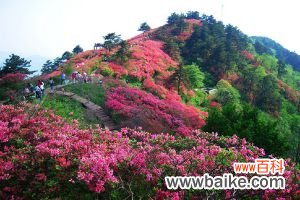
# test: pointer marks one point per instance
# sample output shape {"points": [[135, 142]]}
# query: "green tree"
{"points": [[144, 27], [226, 93], [172, 48], [175, 18], [57, 62], [123, 53], [47, 67], [15, 64], [281, 68], [193, 15], [193, 76], [249, 122], [78, 49], [111, 40], [269, 98], [66, 55]]}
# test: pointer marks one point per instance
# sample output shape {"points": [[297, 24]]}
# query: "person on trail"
{"points": [[74, 77], [63, 78], [79, 77], [38, 92], [51, 82], [26, 93], [84, 77], [41, 86]]}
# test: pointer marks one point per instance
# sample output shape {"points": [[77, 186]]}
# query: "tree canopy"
{"points": [[78, 49], [111, 40], [144, 27], [15, 64]]}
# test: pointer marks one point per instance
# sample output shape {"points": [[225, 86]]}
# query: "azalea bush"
{"points": [[10, 84], [43, 157], [135, 107], [148, 58]]}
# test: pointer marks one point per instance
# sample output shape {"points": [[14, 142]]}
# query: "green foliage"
{"points": [[68, 68], [78, 49], [199, 100], [111, 40], [15, 64], [66, 55], [94, 67], [65, 107], [280, 52], [226, 93], [107, 72], [48, 67], [281, 68], [177, 21], [133, 81], [172, 48], [215, 45], [268, 62], [92, 92], [269, 98], [193, 76], [256, 126], [261, 49], [123, 54], [144, 27], [291, 77], [175, 18], [193, 15]]}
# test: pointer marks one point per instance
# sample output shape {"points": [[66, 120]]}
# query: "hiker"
{"points": [[79, 77], [51, 82], [26, 93], [41, 86], [89, 79], [63, 78], [84, 77], [74, 77], [38, 92]]}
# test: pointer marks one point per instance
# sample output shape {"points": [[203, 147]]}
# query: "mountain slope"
{"points": [[188, 56], [281, 53]]}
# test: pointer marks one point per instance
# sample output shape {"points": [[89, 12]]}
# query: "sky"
{"points": [[47, 28]]}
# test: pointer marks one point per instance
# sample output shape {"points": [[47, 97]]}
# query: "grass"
{"points": [[93, 92], [70, 110]]}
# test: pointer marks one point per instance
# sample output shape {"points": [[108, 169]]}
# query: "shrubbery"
{"points": [[139, 108], [42, 157]]}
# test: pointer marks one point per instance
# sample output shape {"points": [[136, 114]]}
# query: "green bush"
{"points": [[107, 72]]}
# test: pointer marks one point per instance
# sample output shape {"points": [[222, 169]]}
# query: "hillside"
{"points": [[180, 62], [191, 97], [267, 45]]}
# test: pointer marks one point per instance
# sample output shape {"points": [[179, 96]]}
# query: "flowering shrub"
{"points": [[247, 55], [157, 90], [139, 108], [12, 78], [147, 59], [41, 154], [118, 69], [51, 75], [289, 93], [10, 84], [43, 157]]}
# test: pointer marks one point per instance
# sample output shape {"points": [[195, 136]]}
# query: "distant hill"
{"points": [[281, 53]]}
